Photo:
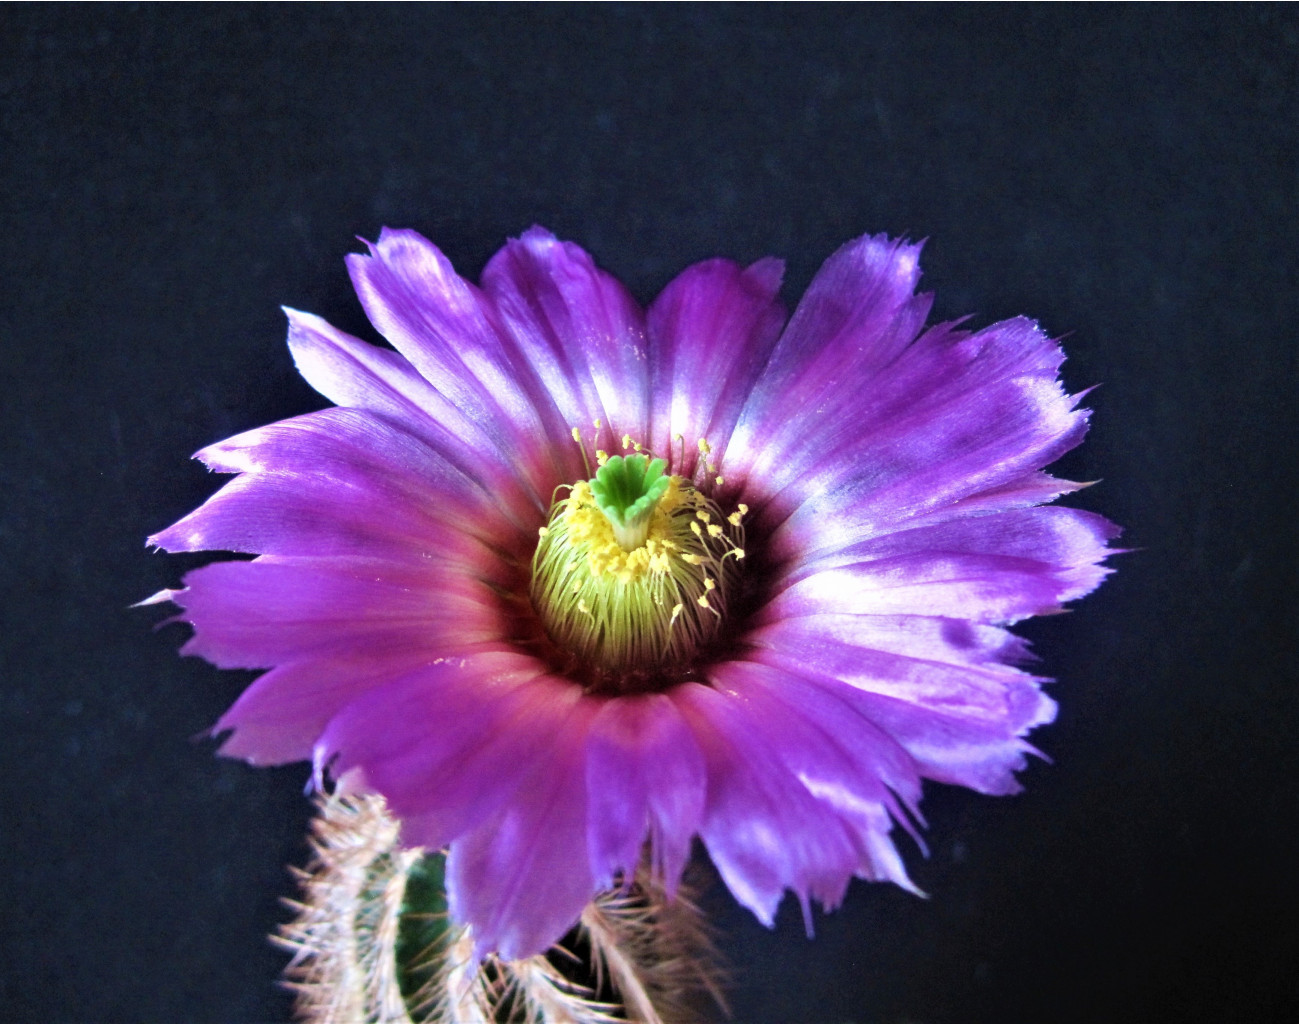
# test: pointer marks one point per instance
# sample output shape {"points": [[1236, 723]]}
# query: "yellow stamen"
{"points": [[619, 610]]}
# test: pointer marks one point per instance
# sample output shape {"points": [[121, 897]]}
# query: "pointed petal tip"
{"points": [[389, 235], [161, 597], [1078, 396], [1033, 751], [537, 233], [768, 273], [899, 251]]}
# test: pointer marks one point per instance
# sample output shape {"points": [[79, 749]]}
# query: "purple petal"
{"points": [[951, 418], [448, 744], [450, 334], [857, 315], [352, 374], [343, 482], [645, 776], [521, 879], [279, 718], [992, 568], [1023, 492], [928, 638], [839, 755], [268, 611], [579, 332], [961, 722], [765, 829], [710, 334]]}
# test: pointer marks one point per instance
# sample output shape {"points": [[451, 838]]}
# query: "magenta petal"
{"points": [[521, 879], [960, 722], [924, 637], [579, 331], [448, 744], [1035, 488], [258, 614], [980, 412], [343, 482], [765, 830], [353, 374], [281, 715], [710, 334], [857, 315], [450, 334], [839, 755], [645, 776], [994, 568]]}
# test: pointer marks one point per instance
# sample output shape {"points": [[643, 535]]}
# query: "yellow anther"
{"points": [[694, 528], [734, 518], [720, 481], [597, 423], [626, 441], [744, 509], [710, 466], [738, 552], [601, 456], [692, 559], [709, 583], [583, 607], [703, 516], [577, 435], [543, 531], [704, 446], [702, 600], [714, 530]]}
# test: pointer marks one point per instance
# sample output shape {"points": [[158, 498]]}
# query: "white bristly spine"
{"points": [[652, 954]]}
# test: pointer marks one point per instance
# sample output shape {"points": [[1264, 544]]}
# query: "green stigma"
{"points": [[632, 572], [627, 490]]}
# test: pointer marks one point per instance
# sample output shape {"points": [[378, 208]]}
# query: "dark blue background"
{"points": [[170, 175]]}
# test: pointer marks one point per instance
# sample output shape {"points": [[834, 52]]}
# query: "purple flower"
{"points": [[543, 654]]}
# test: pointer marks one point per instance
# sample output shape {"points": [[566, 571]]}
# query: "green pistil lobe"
{"points": [[627, 490]]}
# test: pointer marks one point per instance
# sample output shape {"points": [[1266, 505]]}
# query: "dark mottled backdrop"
{"points": [[170, 175]]}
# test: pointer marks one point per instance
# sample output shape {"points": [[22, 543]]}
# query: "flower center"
{"points": [[631, 573]]}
